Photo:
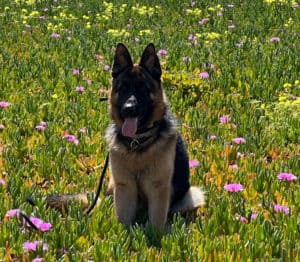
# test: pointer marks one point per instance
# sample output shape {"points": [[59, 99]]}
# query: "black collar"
{"points": [[141, 140]]}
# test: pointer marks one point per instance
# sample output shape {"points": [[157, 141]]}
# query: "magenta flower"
{"points": [[193, 163], [2, 182], [71, 138], [162, 52], [40, 127], [80, 89], [204, 75], [40, 224], [42, 17], [253, 216], [233, 187], [224, 119], [283, 209], [4, 104], [274, 39], [192, 37], [239, 140], [55, 35], [31, 246], [203, 21], [244, 220], [286, 176], [76, 71], [13, 212]]}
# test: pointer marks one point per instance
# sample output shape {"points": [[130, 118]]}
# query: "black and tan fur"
{"points": [[153, 172]]}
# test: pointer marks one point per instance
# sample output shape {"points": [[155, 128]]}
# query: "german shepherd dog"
{"points": [[148, 160]]}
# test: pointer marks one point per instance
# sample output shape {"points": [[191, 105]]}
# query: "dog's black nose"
{"points": [[130, 106]]}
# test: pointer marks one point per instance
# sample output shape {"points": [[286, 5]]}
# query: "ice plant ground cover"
{"points": [[231, 72]]}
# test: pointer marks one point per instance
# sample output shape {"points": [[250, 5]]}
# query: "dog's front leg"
{"points": [[156, 184], [125, 198]]}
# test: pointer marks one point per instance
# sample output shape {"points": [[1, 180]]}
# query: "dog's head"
{"points": [[137, 100]]}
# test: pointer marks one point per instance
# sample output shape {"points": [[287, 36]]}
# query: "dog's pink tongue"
{"points": [[129, 127]]}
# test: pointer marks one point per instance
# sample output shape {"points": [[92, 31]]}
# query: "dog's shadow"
{"points": [[142, 231]]}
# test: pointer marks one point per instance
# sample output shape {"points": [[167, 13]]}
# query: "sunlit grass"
{"points": [[231, 73]]}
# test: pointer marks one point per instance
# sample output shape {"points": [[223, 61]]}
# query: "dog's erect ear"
{"points": [[122, 60], [150, 61]]}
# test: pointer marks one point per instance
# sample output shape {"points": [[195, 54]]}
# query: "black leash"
{"points": [[99, 187]]}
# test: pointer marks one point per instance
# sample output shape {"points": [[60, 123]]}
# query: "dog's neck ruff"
{"points": [[141, 140]]}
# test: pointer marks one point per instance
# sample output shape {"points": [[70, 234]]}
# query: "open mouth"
{"points": [[129, 126]]}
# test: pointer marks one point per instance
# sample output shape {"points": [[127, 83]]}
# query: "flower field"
{"points": [[231, 71]]}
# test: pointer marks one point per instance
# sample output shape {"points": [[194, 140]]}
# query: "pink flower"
{"points": [[224, 119], [106, 67], [55, 35], [42, 17], [76, 71], [286, 176], [2, 182], [234, 166], [253, 216], [243, 219], [40, 224], [80, 89], [230, 5], [13, 212], [233, 187], [239, 140], [2, 126], [31, 246], [213, 137], [204, 75], [99, 57], [219, 14], [83, 130], [4, 104], [193, 163], [162, 52], [203, 21], [283, 209], [274, 39], [40, 127], [192, 37], [103, 91], [72, 139]]}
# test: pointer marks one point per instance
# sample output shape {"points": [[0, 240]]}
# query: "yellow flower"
{"points": [[287, 85]]}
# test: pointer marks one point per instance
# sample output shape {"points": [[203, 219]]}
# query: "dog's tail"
{"points": [[193, 199], [62, 202]]}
